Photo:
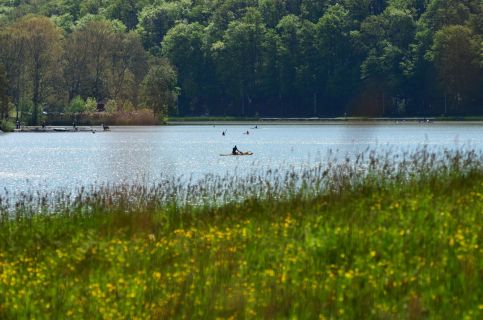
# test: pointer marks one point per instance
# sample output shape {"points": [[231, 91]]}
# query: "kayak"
{"points": [[248, 153]]}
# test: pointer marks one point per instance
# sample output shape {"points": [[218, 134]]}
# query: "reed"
{"points": [[393, 236]]}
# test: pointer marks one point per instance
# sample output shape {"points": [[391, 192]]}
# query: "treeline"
{"points": [[246, 57]]}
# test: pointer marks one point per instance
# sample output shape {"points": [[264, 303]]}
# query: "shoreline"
{"points": [[51, 129], [324, 121], [263, 121]]}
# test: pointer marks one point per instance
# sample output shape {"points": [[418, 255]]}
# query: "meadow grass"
{"points": [[394, 237]]}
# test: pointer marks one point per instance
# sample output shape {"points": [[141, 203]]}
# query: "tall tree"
{"points": [[239, 60], [386, 40], [335, 69], [103, 62], [455, 55], [296, 73], [99, 36], [76, 59], [12, 55], [127, 66], [183, 46], [269, 74], [3, 94], [42, 55], [158, 89]]}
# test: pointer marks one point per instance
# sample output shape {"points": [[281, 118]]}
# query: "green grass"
{"points": [[397, 240]]}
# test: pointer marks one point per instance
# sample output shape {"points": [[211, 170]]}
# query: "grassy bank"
{"points": [[365, 239]]}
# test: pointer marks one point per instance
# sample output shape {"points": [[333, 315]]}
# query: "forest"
{"points": [[243, 58]]}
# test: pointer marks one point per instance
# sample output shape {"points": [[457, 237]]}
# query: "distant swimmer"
{"points": [[223, 133], [255, 127], [246, 132]]}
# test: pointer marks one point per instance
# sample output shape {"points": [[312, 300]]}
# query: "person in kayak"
{"points": [[235, 151]]}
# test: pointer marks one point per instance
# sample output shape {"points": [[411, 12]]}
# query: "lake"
{"points": [[67, 160]]}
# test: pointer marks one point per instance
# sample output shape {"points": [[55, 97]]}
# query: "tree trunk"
{"points": [[315, 104], [243, 100], [36, 92]]}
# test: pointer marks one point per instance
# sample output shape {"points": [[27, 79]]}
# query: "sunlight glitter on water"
{"points": [[67, 160]]}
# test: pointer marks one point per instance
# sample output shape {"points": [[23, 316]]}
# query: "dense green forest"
{"points": [[243, 57]]}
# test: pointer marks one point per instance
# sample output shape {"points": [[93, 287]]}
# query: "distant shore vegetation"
{"points": [[242, 58], [371, 237]]}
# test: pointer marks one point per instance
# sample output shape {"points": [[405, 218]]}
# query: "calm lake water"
{"points": [[65, 160]]}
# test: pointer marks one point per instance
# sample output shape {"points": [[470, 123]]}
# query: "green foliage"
{"points": [[76, 105], [272, 11], [155, 22], [442, 13], [6, 125], [271, 57], [238, 60], [65, 22], [111, 106], [334, 45], [90, 105], [455, 56], [125, 11], [85, 21], [158, 89], [183, 46], [402, 240], [37, 49]]}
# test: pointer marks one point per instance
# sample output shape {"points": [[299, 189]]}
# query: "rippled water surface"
{"points": [[68, 160]]}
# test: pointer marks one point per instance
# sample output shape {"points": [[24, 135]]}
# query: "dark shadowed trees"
{"points": [[156, 20], [255, 57], [335, 71], [183, 46], [455, 56]]}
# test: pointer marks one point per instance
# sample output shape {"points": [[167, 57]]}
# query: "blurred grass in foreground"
{"points": [[397, 237]]}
